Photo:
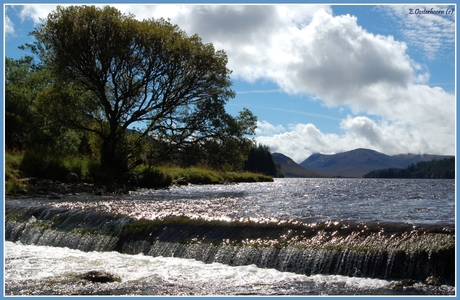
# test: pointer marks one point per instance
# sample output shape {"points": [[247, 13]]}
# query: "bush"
{"points": [[95, 173], [153, 178], [42, 166]]}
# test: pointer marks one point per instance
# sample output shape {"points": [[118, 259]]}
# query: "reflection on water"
{"points": [[336, 203], [307, 200]]}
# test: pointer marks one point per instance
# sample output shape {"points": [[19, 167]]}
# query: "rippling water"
{"points": [[308, 200], [417, 202]]}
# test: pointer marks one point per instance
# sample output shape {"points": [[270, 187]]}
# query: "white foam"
{"points": [[30, 262]]}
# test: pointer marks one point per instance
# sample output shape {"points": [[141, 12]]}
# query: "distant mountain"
{"points": [[356, 163], [291, 169]]}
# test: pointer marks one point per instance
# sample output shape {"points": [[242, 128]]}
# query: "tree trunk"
{"points": [[114, 162]]}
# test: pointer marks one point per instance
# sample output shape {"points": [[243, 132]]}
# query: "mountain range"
{"points": [[354, 163], [291, 169]]}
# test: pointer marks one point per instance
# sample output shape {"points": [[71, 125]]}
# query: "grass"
{"points": [[20, 165], [13, 184], [203, 175], [163, 176]]}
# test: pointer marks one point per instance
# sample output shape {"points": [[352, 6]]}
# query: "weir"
{"points": [[386, 251]]}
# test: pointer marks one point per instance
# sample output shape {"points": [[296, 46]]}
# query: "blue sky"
{"points": [[321, 78]]}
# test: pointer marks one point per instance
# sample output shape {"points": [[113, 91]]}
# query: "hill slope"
{"points": [[291, 169], [356, 163]]}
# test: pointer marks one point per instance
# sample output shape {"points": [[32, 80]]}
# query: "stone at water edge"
{"points": [[102, 277], [72, 177]]}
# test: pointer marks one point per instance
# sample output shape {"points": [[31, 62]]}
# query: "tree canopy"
{"points": [[112, 72], [260, 160], [26, 128], [435, 169]]}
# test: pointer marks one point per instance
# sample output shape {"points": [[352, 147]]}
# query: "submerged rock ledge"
{"points": [[387, 251]]}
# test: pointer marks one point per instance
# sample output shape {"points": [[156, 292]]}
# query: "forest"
{"points": [[435, 169], [111, 98]]}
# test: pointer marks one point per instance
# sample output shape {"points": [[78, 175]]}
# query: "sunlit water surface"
{"points": [[307, 200], [48, 270]]}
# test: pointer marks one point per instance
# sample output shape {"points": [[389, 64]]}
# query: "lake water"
{"points": [[376, 202]]}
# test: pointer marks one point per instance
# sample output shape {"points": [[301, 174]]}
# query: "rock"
{"points": [[29, 180], [102, 277], [433, 280], [181, 181], [72, 177], [401, 284]]}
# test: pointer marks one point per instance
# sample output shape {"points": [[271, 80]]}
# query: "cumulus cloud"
{"points": [[36, 12], [253, 36], [306, 50], [302, 140], [265, 128]]}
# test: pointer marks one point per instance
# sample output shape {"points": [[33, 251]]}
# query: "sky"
{"points": [[320, 78]]}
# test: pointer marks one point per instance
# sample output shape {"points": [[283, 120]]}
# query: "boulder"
{"points": [[401, 284], [433, 280], [180, 181], [102, 277], [29, 180], [72, 177]]}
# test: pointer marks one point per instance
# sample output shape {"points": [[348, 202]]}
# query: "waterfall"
{"points": [[360, 250]]}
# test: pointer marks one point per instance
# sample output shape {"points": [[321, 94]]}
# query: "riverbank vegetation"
{"points": [[114, 100], [436, 169], [23, 171]]}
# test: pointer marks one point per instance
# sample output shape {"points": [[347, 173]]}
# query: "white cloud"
{"points": [[391, 138], [8, 26], [249, 34], [265, 128], [431, 33], [308, 51], [36, 12], [301, 141]]}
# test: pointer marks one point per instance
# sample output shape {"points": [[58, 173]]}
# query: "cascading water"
{"points": [[323, 248], [379, 239]]}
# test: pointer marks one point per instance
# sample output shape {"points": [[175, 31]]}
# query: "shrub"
{"points": [[153, 178], [43, 166]]}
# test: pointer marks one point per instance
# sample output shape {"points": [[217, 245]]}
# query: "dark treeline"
{"points": [[435, 169], [260, 160]]}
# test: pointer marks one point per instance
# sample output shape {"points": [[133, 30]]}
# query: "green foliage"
{"points": [[27, 127], [194, 175], [260, 160], [163, 176], [111, 71], [12, 174], [42, 165], [435, 169], [246, 177], [153, 178], [24, 127], [45, 166], [97, 72]]}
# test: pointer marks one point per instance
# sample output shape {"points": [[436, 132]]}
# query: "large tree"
{"points": [[113, 72]]}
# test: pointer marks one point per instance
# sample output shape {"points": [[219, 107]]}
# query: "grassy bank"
{"points": [[203, 175], [44, 167]]}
